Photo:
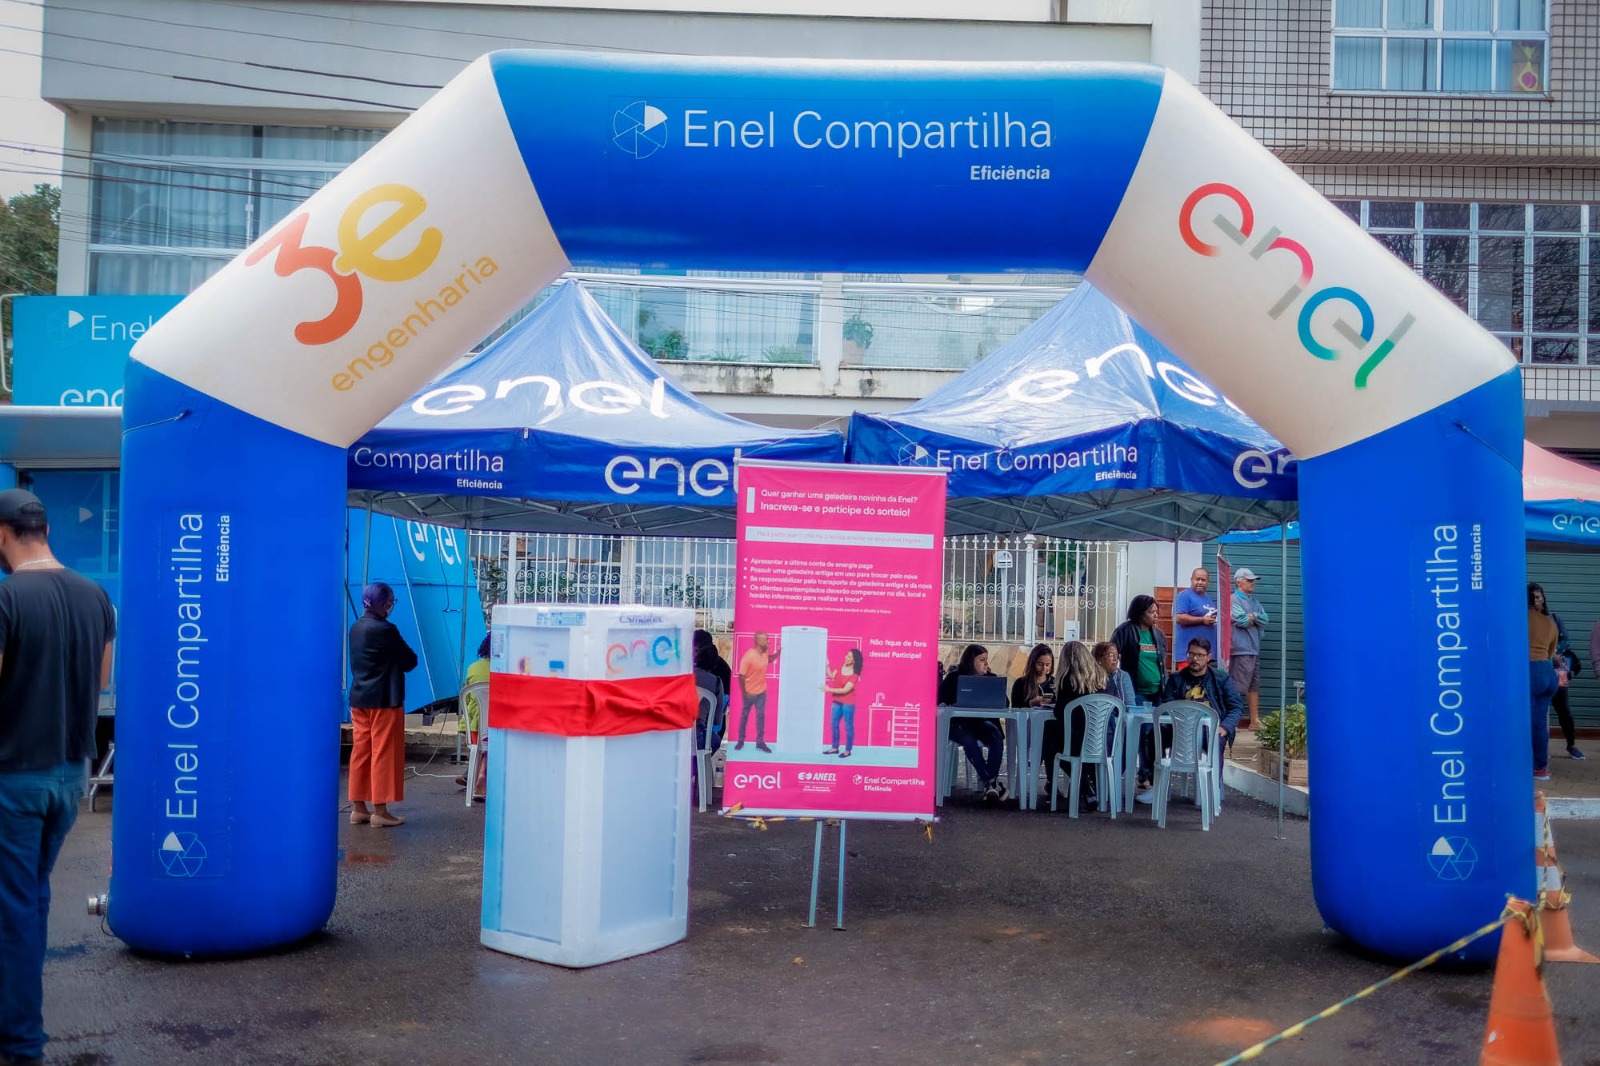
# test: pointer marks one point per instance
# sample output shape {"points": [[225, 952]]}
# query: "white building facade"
{"points": [[1462, 133], [192, 126]]}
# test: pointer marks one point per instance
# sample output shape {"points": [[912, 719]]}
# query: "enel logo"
{"points": [[760, 782], [642, 655], [1358, 336], [1576, 523], [359, 254]]}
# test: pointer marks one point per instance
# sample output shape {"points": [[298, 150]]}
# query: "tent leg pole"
{"points": [[1283, 657], [466, 575], [366, 547]]}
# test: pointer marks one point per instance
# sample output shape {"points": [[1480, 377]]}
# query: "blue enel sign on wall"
{"points": [[71, 351]]}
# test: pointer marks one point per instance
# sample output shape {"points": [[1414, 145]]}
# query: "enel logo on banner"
{"points": [[1273, 240], [759, 782]]}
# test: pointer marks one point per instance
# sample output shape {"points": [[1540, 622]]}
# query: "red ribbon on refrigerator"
{"points": [[572, 708]]}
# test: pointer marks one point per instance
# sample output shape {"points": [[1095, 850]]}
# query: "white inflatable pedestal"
{"points": [[586, 842]]}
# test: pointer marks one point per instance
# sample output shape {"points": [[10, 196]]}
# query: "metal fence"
{"points": [[566, 568], [1011, 588], [999, 588]]}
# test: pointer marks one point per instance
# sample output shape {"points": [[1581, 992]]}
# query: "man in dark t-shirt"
{"points": [[56, 629]]}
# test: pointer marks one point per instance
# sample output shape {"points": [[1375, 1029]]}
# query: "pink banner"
{"points": [[833, 710]]}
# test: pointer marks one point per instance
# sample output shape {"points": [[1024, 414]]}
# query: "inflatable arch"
{"points": [[240, 403]]}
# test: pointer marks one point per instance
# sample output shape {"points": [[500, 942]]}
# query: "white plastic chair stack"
{"points": [[710, 706], [1191, 723], [1101, 715], [478, 690]]}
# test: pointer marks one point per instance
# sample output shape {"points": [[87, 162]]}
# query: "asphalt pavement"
{"points": [[1009, 937]]}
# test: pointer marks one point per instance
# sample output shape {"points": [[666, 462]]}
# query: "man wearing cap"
{"points": [[56, 629], [1244, 665]]}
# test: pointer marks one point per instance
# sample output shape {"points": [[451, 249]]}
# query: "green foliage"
{"points": [[1294, 739], [859, 331], [546, 586], [785, 353], [661, 343], [29, 227], [669, 345], [690, 593]]}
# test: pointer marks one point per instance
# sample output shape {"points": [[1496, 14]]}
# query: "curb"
{"points": [[1572, 808], [1263, 789]]}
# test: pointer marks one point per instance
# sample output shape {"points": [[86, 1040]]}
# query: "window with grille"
{"points": [[1477, 47], [1529, 273]]}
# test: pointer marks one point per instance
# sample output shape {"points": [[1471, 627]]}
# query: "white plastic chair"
{"points": [[956, 765], [1101, 714], [703, 751], [1192, 724], [478, 690]]}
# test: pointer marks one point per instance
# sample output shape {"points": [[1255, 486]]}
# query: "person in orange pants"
{"points": [[379, 661]]}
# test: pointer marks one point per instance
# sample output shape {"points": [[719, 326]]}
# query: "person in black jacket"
{"points": [[379, 661], [709, 660], [1142, 649], [1201, 682], [981, 738]]}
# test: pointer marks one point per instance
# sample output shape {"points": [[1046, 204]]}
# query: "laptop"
{"points": [[973, 690]]}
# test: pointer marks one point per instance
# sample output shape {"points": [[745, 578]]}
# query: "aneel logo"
{"points": [[759, 782], [1358, 336], [378, 240]]}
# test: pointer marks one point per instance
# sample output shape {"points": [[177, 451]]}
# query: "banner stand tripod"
{"points": [[816, 874]]}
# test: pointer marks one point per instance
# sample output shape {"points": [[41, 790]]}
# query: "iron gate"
{"points": [[1003, 588]]}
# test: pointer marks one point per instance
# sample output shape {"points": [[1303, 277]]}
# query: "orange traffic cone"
{"points": [[1558, 943], [1521, 1030]]}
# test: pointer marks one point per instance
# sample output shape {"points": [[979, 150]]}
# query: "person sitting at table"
{"points": [[1118, 683], [471, 722], [1080, 676], [1201, 682], [981, 738], [1037, 685]]}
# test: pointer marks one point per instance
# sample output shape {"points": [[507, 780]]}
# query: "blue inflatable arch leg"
{"points": [[241, 401]]}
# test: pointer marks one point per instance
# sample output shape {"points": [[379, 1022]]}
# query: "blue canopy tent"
{"points": [[1085, 425], [1561, 504], [563, 425], [1561, 500]]}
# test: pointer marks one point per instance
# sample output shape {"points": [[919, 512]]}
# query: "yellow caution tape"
{"points": [[1295, 1030]]}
